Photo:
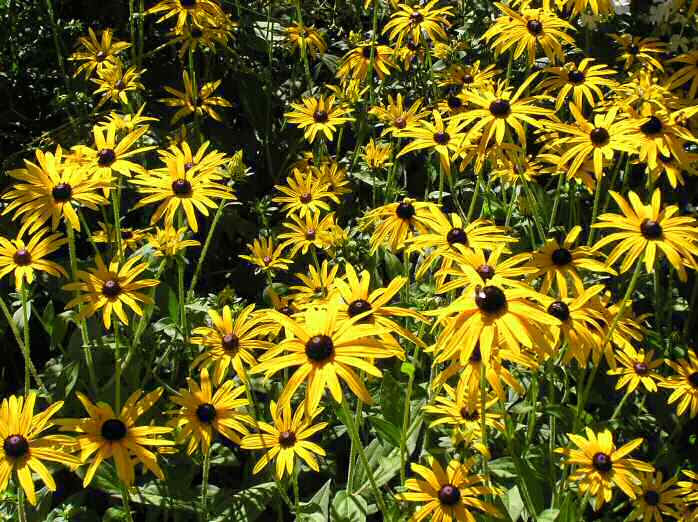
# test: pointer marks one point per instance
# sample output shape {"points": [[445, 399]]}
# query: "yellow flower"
{"points": [[97, 54], [113, 83], [207, 161], [195, 101], [583, 82], [318, 115], [598, 7], [24, 446], [377, 155], [324, 349], [169, 241], [600, 466], [637, 367], [105, 434], [688, 72], [306, 39], [109, 157], [23, 258], [110, 288], [335, 175], [656, 498], [198, 12], [395, 223], [395, 117], [646, 230], [450, 494], [684, 384], [286, 439], [639, 50], [317, 287], [49, 190], [229, 343], [418, 23], [304, 193], [356, 63], [306, 232], [265, 256], [203, 413]]}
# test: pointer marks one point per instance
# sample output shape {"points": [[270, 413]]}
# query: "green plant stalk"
{"points": [[532, 414], [556, 201], [204, 251], [141, 31], [536, 210], [441, 183], [352, 452], [512, 203], [117, 366], [371, 63], [316, 261], [88, 232], [614, 178], [476, 193], [391, 174], [406, 414], [125, 501], [483, 418], [132, 29], [622, 402], [20, 343], [27, 349], [21, 511], [454, 196], [304, 51], [182, 303], [270, 83], [296, 496], [116, 201], [206, 467], [354, 436], [658, 315], [56, 43], [595, 211], [83, 326]]}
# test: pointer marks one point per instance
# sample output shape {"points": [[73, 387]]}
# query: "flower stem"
{"points": [[296, 496], [204, 251], [620, 405], [595, 210], [20, 343], [21, 511], [354, 436], [406, 414], [352, 452], [556, 202], [206, 467], [476, 193], [125, 501], [27, 350], [117, 367], [117, 223]]}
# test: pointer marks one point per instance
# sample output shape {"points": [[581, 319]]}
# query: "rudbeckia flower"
{"points": [[396, 222], [318, 115], [114, 83], [684, 384], [25, 257], [657, 498], [306, 39], [97, 53], [582, 83], [304, 193], [637, 367], [265, 255], [396, 117], [418, 22], [195, 101]]}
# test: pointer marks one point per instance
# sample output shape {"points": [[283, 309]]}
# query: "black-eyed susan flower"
{"points": [[197, 12], [396, 117], [559, 264], [684, 384], [287, 438], [307, 39], [266, 256], [357, 298], [377, 155], [647, 231], [527, 30], [582, 83], [689, 488], [110, 288], [468, 77], [127, 122], [169, 241], [600, 466], [178, 186], [214, 32], [105, 434], [306, 232], [418, 22], [49, 189], [656, 499], [229, 343], [598, 140], [23, 258], [598, 7], [318, 116], [25, 445], [207, 160], [113, 83], [316, 287], [335, 175], [356, 63], [687, 72], [451, 494], [131, 238], [638, 50], [97, 53], [396, 222], [193, 100], [445, 138], [204, 413], [635, 368], [110, 155], [304, 193], [324, 349]]}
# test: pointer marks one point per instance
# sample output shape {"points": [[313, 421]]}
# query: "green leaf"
{"points": [[348, 508], [549, 515], [385, 430], [318, 507], [172, 305], [392, 399], [502, 468], [242, 506], [407, 368], [513, 503], [155, 494], [393, 266]]}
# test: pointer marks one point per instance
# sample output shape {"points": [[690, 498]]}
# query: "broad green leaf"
{"points": [[318, 507], [349, 508], [242, 506], [513, 503], [392, 401], [385, 430], [549, 515]]}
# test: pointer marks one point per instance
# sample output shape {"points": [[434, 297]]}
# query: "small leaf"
{"points": [[549, 515], [385, 430], [348, 508]]}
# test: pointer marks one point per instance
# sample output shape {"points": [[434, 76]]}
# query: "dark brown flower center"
{"points": [[188, 4], [485, 271], [113, 430], [62, 193], [476, 356], [400, 122], [457, 235], [310, 234], [266, 260], [15, 446], [500, 108], [633, 49], [127, 234], [469, 415], [196, 33], [286, 310], [449, 495], [101, 56], [693, 379], [320, 116], [652, 126], [651, 229], [561, 257], [559, 310], [405, 210], [599, 136], [230, 342], [188, 166], [181, 187], [576, 77], [366, 52], [358, 307], [319, 348], [287, 439], [454, 102], [490, 299], [22, 257], [111, 288], [206, 413], [641, 368], [305, 198], [534, 27], [468, 78], [416, 17], [651, 497], [106, 157], [602, 462], [441, 138]]}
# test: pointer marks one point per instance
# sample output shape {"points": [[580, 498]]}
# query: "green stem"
{"points": [[352, 452], [533, 403], [441, 183], [406, 416], [204, 251], [354, 435], [132, 28], [117, 366], [56, 42], [620, 405], [296, 496], [27, 349], [556, 202], [691, 306], [21, 511], [206, 466], [141, 31], [595, 210], [483, 417], [476, 193], [182, 303], [116, 193], [20, 343], [125, 501]]}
